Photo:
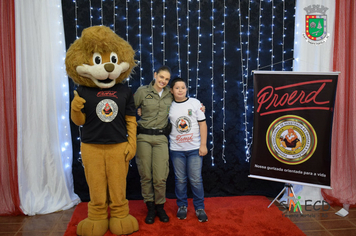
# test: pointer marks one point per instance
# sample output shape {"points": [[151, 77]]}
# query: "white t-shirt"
{"points": [[184, 117]]}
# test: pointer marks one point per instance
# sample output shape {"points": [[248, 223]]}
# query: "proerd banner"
{"points": [[293, 114]]}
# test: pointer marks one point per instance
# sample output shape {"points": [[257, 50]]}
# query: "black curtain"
{"points": [[251, 35]]}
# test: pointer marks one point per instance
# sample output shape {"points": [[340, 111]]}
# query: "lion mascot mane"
{"points": [[99, 61]]}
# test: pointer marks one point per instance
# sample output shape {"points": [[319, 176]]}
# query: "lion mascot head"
{"points": [[99, 58]]}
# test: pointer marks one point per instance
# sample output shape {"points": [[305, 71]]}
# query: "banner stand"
{"points": [[290, 189], [292, 127]]}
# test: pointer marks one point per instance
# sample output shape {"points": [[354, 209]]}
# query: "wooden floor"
{"points": [[312, 223], [316, 222]]}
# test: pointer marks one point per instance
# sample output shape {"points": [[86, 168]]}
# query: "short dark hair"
{"points": [[175, 80], [164, 68]]}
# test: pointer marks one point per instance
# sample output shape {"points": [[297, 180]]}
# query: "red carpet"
{"points": [[242, 215]]}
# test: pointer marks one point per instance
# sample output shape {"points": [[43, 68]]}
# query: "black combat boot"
{"points": [[151, 214], [161, 213]]}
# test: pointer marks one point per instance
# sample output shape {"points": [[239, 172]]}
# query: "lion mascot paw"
{"points": [[99, 62], [125, 225], [93, 227]]}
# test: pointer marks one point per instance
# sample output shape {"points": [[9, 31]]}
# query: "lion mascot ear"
{"points": [[98, 63]]}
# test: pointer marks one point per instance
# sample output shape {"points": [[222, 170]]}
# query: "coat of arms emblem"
{"points": [[316, 23]]}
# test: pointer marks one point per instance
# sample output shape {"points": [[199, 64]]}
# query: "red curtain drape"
{"points": [[9, 193], [343, 154]]}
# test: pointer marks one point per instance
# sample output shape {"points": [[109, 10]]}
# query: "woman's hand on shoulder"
{"points": [[139, 111], [202, 108]]}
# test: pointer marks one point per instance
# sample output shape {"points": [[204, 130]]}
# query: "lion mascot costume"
{"points": [[99, 62]]}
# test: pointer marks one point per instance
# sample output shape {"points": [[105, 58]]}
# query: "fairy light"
{"points": [[248, 43], [198, 51], [244, 75], [127, 33], [283, 34], [178, 43], [164, 33], [245, 87], [114, 15], [259, 35], [224, 87], [101, 12], [63, 108], [151, 37], [127, 19], [76, 18], [272, 33], [140, 40], [188, 49], [212, 83], [91, 13], [242, 60], [76, 36]]}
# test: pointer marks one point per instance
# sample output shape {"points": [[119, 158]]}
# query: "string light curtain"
{"points": [[215, 46]]}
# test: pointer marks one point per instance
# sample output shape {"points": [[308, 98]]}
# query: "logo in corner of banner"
{"points": [[291, 139], [316, 24]]}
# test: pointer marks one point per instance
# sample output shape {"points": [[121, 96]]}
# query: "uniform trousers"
{"points": [[152, 159]]}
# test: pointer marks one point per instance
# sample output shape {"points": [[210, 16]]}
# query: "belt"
{"points": [[165, 131], [141, 130]]}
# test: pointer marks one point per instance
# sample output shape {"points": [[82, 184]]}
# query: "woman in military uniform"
{"points": [[152, 155]]}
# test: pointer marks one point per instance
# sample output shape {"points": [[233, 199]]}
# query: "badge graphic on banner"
{"points": [[316, 24], [291, 139]]}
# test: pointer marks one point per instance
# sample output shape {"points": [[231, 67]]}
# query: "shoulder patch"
{"points": [[149, 96]]}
